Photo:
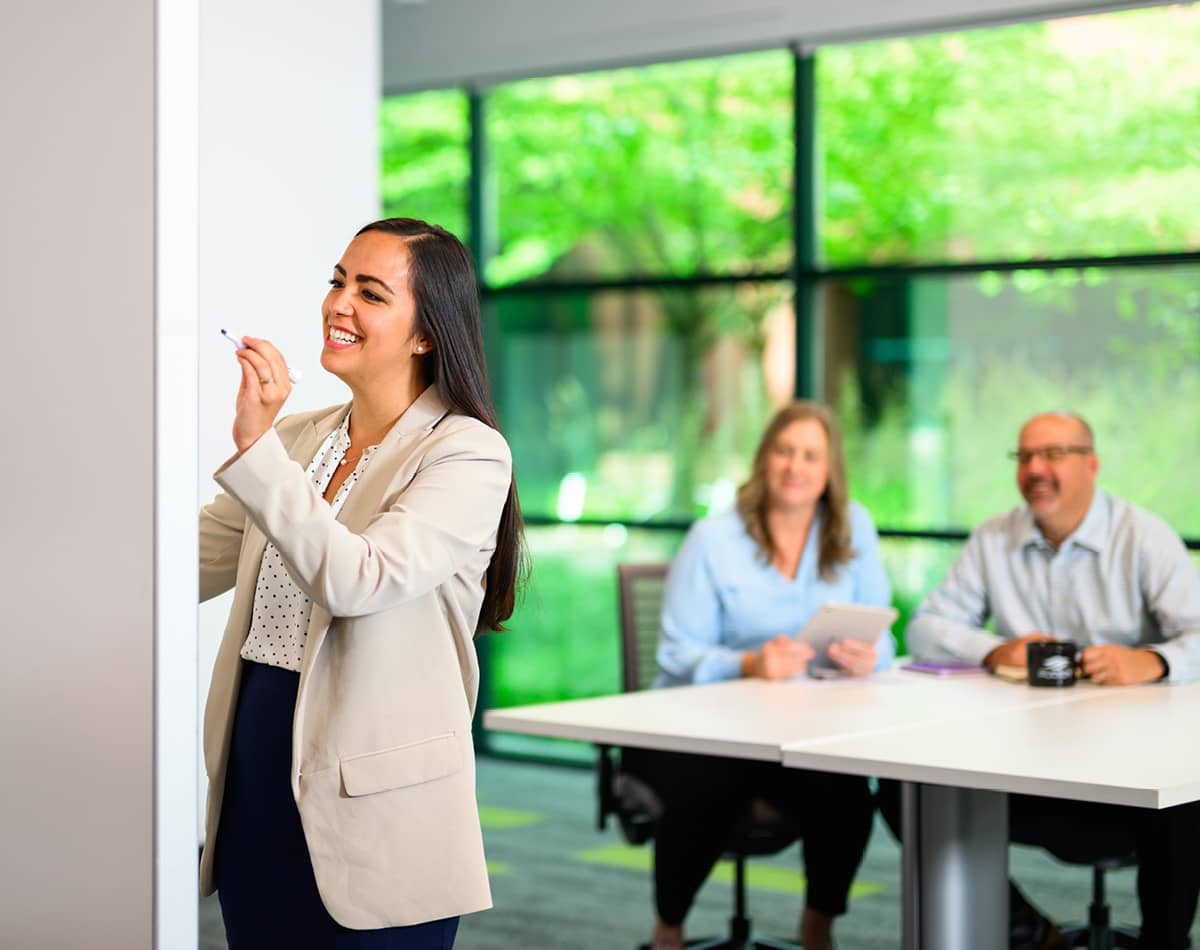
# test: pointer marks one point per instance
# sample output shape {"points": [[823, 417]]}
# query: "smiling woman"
{"points": [[367, 545], [743, 584]]}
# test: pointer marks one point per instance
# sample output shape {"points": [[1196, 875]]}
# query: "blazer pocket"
{"points": [[413, 764]]}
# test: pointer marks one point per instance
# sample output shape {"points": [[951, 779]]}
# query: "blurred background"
{"points": [[938, 235]]}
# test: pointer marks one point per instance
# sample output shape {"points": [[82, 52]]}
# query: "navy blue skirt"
{"points": [[264, 875]]}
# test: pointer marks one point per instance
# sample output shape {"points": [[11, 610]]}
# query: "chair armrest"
{"points": [[626, 796]]}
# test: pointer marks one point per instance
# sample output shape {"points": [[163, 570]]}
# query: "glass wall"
{"points": [[425, 161], [1035, 141], [934, 374], [1002, 225], [671, 170], [640, 404]]}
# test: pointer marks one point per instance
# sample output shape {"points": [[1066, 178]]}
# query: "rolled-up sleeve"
{"points": [[690, 649], [948, 626], [1170, 584]]}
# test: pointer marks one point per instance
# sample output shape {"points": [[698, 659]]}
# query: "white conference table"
{"points": [[1114, 746], [960, 745]]}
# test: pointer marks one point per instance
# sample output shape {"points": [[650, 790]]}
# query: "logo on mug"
{"points": [[1052, 663], [1058, 667]]}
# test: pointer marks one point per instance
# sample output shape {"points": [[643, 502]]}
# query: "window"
{"points": [[933, 375], [1039, 140], [425, 163], [670, 170], [643, 404]]}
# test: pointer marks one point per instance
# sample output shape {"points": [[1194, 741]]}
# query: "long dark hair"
{"points": [[834, 547], [442, 283]]}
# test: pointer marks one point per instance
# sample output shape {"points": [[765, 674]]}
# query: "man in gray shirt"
{"points": [[1074, 563]]}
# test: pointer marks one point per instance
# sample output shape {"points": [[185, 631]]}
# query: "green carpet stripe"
{"points": [[492, 817], [495, 868], [625, 856], [759, 875]]}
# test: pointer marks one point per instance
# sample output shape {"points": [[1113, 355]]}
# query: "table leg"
{"points": [[910, 865], [955, 868]]}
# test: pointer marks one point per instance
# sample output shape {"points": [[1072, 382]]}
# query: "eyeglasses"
{"points": [[1051, 453]]}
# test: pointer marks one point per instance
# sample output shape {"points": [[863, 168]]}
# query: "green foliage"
{"points": [[1064, 138], [425, 163], [675, 169]]}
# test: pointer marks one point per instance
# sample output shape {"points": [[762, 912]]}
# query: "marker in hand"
{"points": [[293, 374]]}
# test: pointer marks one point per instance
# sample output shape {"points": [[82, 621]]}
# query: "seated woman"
{"points": [[742, 584]]}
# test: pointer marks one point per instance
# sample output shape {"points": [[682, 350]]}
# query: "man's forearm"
{"points": [[930, 637]]}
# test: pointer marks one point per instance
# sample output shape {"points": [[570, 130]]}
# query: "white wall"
{"points": [[96, 257], [289, 97], [435, 43], [116, 118]]}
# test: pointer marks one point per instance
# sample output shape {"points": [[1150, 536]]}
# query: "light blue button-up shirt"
{"points": [[723, 600], [1122, 577]]}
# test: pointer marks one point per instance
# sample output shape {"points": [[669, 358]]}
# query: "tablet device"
{"points": [[834, 621]]}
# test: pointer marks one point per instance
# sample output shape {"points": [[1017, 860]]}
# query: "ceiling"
{"points": [[442, 43]]}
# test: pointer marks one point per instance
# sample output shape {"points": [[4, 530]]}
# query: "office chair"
{"points": [[633, 802], [1104, 850]]}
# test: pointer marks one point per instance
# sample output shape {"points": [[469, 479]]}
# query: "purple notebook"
{"points": [[942, 669]]}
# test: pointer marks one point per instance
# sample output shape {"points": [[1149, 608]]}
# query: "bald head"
{"points": [[1082, 435]]}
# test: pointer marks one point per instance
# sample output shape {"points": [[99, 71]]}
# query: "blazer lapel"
{"points": [[421, 417], [314, 433]]}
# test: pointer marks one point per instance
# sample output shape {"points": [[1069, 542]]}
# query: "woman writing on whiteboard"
{"points": [[742, 584], [367, 544]]}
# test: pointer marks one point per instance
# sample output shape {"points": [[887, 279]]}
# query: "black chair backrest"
{"points": [[640, 592]]}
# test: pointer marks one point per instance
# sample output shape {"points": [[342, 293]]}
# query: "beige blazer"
{"points": [[383, 771]]}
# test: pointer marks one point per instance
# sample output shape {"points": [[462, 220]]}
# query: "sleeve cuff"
{"points": [[1173, 663], [720, 665], [245, 471]]}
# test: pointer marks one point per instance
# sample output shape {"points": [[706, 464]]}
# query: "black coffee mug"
{"points": [[1052, 662]]}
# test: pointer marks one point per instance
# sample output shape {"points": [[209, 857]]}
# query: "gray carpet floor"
{"points": [[558, 882]]}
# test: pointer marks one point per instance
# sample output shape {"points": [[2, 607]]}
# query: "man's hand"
{"points": [[1112, 665], [779, 659], [854, 656], [1012, 652]]}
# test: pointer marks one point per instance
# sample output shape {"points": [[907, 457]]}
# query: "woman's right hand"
{"points": [[779, 659], [265, 387]]}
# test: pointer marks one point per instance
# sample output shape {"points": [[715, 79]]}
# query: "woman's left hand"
{"points": [[855, 657], [265, 387]]}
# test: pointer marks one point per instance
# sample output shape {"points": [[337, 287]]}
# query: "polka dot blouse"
{"points": [[279, 623]]}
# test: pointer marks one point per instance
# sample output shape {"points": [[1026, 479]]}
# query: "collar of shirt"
{"points": [[1092, 532], [341, 437], [341, 445]]}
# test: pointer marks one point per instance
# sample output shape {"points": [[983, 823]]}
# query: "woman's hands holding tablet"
{"points": [[784, 657], [778, 659], [854, 656]]}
